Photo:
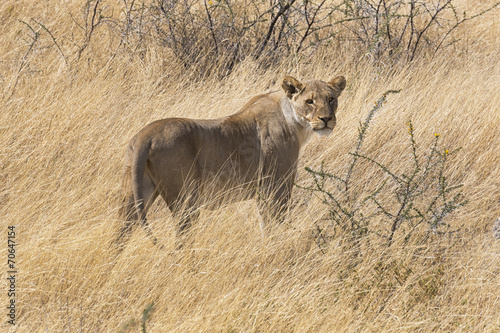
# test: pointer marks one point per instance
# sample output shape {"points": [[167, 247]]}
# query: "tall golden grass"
{"points": [[64, 128]]}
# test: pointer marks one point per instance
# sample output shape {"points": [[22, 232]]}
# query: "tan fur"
{"points": [[252, 153]]}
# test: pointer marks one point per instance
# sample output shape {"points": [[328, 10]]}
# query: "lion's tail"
{"points": [[140, 157]]}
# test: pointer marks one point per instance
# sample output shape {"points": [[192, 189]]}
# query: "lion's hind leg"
{"points": [[183, 203]]}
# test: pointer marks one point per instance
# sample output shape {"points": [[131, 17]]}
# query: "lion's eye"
{"points": [[309, 101], [331, 99]]}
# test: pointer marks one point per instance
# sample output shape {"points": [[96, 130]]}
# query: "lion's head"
{"points": [[314, 102]]}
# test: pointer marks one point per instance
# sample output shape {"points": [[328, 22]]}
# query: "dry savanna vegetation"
{"points": [[391, 243]]}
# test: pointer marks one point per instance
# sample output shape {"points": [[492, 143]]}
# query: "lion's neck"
{"points": [[298, 126]]}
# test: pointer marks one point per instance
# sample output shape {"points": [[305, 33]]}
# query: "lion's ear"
{"points": [[291, 86], [338, 84]]}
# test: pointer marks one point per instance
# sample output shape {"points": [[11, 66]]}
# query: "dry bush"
{"points": [[67, 116], [210, 38]]}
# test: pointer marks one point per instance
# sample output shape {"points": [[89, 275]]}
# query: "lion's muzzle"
{"points": [[324, 123]]}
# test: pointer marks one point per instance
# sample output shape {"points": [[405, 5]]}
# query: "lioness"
{"points": [[252, 153]]}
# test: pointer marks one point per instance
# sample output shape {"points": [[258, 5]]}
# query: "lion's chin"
{"points": [[323, 131]]}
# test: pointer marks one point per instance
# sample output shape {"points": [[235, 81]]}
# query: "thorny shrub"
{"points": [[403, 201]]}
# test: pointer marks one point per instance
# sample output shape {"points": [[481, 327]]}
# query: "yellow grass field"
{"points": [[64, 126]]}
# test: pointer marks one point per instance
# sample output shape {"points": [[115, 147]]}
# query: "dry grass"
{"points": [[63, 135]]}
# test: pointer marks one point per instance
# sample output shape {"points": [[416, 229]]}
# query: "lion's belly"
{"points": [[229, 181], [229, 165]]}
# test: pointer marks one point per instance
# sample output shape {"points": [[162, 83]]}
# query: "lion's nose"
{"points": [[325, 119]]}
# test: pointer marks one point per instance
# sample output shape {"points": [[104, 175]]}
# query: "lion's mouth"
{"points": [[323, 128]]}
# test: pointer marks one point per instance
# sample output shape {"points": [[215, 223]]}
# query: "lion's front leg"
{"points": [[273, 200]]}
